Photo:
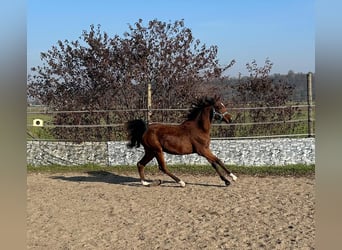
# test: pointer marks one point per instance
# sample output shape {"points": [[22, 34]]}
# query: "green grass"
{"points": [[288, 170], [38, 132]]}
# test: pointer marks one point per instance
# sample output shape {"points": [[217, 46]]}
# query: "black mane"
{"points": [[198, 106]]}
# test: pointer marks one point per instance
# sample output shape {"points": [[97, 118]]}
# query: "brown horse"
{"points": [[191, 136]]}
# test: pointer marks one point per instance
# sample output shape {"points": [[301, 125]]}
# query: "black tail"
{"points": [[135, 129]]}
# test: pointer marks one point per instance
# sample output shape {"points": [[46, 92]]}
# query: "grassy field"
{"points": [[288, 170], [38, 132]]}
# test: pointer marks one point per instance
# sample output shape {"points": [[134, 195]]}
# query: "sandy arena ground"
{"points": [[102, 210]]}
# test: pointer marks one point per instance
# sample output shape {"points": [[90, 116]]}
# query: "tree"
{"points": [[260, 90], [172, 60], [78, 77], [102, 73]]}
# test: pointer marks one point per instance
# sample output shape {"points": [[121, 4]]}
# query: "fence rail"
{"points": [[220, 130], [47, 111], [169, 123]]}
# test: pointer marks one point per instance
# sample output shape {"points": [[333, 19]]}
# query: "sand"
{"points": [[102, 210]]}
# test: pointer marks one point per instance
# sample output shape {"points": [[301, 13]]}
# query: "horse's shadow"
{"points": [[112, 178], [101, 176]]}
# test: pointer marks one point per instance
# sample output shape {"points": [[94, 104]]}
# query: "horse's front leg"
{"points": [[215, 162], [215, 166], [225, 169]]}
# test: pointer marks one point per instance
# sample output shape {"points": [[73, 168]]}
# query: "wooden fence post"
{"points": [[149, 102], [309, 101]]}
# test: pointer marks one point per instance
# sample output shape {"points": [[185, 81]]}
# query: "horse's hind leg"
{"points": [[141, 165], [162, 167]]}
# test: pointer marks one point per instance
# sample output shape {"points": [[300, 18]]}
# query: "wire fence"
{"points": [[249, 122]]}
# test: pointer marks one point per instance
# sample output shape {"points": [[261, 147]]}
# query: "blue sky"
{"points": [[282, 30]]}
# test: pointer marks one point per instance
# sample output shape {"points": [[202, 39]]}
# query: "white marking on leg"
{"points": [[145, 183], [182, 183], [233, 176]]}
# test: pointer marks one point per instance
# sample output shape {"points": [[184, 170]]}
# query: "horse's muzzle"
{"points": [[227, 118]]}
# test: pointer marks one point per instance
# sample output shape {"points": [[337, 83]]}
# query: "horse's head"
{"points": [[220, 111]]}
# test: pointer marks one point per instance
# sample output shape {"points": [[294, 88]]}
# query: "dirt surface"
{"points": [[102, 210]]}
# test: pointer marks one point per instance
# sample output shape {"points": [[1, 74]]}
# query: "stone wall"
{"points": [[238, 152], [66, 153]]}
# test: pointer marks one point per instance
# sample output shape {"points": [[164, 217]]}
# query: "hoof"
{"points": [[233, 177], [155, 183], [145, 183], [182, 183], [227, 182], [151, 184]]}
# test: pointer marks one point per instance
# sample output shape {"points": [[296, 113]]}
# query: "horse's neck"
{"points": [[204, 119]]}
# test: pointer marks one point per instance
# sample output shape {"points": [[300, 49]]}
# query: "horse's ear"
{"points": [[217, 98]]}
